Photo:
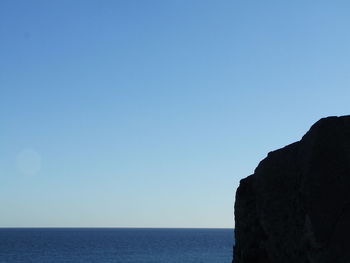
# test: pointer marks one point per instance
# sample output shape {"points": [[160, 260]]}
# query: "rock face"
{"points": [[295, 208]]}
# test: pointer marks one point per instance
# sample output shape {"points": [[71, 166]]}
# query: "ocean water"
{"points": [[107, 245]]}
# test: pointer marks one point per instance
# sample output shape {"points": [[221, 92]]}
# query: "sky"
{"points": [[148, 113]]}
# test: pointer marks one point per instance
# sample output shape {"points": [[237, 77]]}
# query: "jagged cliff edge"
{"points": [[295, 208]]}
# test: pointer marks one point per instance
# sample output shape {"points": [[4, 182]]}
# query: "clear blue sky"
{"points": [[148, 113]]}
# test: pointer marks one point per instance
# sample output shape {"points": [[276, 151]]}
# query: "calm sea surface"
{"points": [[103, 245]]}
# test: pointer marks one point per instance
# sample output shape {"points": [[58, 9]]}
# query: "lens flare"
{"points": [[29, 162]]}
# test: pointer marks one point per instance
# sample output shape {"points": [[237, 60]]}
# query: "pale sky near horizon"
{"points": [[148, 113]]}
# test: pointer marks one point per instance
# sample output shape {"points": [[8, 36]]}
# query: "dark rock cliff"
{"points": [[295, 208]]}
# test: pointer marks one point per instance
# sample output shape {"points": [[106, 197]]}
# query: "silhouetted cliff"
{"points": [[295, 208]]}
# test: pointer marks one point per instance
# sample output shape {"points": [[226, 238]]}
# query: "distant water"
{"points": [[107, 245]]}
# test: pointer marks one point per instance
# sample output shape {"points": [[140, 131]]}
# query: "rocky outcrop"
{"points": [[295, 208]]}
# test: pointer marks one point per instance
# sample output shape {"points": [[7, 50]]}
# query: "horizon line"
{"points": [[97, 227]]}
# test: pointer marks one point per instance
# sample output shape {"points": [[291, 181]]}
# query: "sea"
{"points": [[114, 245]]}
